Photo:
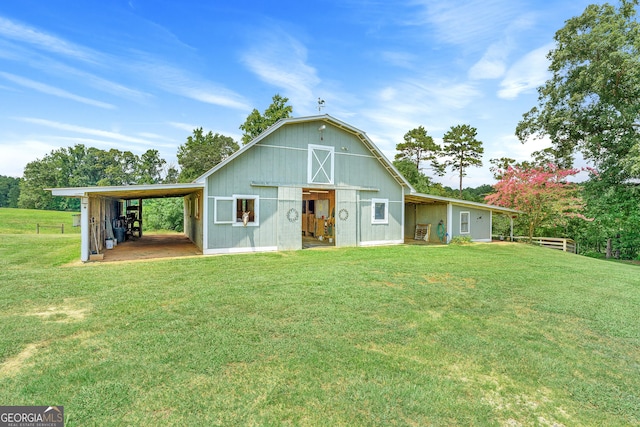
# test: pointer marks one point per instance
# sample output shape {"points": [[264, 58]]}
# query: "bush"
{"points": [[461, 240], [163, 214]]}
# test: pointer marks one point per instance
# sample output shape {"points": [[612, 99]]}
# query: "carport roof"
{"points": [[145, 191], [421, 199]]}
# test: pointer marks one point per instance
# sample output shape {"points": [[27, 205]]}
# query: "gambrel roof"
{"points": [[362, 136]]}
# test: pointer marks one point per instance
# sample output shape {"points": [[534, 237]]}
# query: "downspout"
{"points": [[84, 229]]}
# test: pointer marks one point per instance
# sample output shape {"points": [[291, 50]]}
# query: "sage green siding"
{"points": [[193, 215], [281, 160], [479, 223], [289, 218], [425, 214], [346, 218], [378, 233]]}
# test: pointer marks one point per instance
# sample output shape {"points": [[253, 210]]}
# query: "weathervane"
{"points": [[320, 104]]}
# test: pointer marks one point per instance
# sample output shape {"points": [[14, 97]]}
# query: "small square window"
{"points": [[245, 205], [379, 211], [249, 205]]}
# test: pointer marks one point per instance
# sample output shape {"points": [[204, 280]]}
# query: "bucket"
{"points": [[109, 243]]}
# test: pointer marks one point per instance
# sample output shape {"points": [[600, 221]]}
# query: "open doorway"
{"points": [[318, 218]]}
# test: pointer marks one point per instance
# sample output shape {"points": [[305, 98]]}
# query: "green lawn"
{"points": [[486, 334], [24, 221]]}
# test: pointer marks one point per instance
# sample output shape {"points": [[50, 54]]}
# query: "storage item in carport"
{"points": [[120, 233]]}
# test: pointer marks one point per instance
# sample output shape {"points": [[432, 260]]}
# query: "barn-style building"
{"points": [[305, 181]]}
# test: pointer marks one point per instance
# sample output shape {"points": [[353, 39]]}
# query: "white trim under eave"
{"points": [[227, 251]]}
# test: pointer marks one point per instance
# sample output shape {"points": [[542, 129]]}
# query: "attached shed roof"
{"points": [[362, 136], [422, 199], [145, 191]]}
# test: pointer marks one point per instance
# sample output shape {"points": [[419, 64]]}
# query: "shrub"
{"points": [[460, 240]]}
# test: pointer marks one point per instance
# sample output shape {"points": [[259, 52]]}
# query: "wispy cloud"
{"points": [[50, 90], [170, 79], [114, 136], [46, 64], [399, 59], [183, 126], [181, 82], [467, 22], [281, 60], [493, 63], [47, 42], [526, 74], [406, 104]]}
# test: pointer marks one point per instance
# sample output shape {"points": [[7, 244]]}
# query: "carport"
{"points": [[101, 207]]}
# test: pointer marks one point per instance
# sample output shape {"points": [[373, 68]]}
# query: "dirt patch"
{"points": [[68, 312], [14, 364], [152, 246]]}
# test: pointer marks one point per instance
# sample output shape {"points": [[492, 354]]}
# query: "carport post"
{"points": [[511, 230], [84, 229]]}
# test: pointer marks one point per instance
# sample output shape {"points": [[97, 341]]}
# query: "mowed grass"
{"points": [[24, 221], [486, 334]]}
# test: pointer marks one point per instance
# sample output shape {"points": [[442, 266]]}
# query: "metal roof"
{"points": [[423, 199], [144, 191]]}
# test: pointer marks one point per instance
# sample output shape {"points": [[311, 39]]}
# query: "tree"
{"points": [[462, 149], [418, 147], [54, 170], [171, 175], [150, 168], [202, 152], [616, 214], [542, 194], [81, 166], [9, 191], [591, 103], [257, 123], [421, 182], [163, 214]]}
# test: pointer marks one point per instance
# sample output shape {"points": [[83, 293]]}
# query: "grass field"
{"points": [[486, 334], [24, 221]]}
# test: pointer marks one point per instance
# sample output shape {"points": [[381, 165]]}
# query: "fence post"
{"points": [[62, 228], [564, 245], [37, 228]]}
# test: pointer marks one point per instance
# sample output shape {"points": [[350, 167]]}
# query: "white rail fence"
{"points": [[566, 245]]}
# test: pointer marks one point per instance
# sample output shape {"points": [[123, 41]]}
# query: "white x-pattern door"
{"points": [[320, 164]]}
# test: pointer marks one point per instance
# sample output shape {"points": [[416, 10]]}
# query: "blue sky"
{"points": [[140, 74]]}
